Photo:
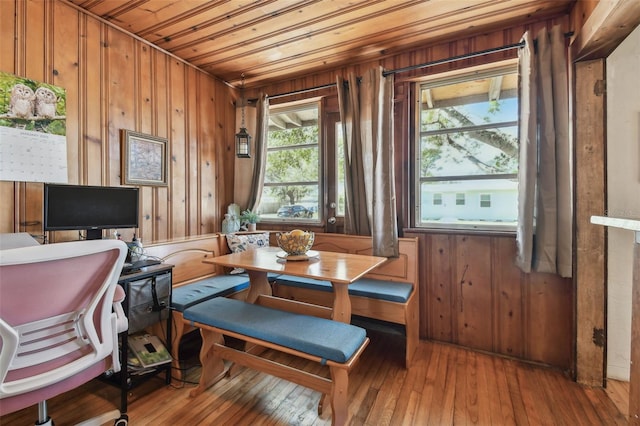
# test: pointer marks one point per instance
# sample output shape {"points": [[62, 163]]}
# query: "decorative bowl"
{"points": [[296, 242]]}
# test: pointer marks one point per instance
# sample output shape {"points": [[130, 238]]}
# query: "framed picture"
{"points": [[144, 159]]}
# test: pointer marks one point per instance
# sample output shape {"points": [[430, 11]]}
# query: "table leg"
{"points": [[258, 284], [341, 303]]}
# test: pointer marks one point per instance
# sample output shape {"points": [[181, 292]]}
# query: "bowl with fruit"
{"points": [[296, 242]]}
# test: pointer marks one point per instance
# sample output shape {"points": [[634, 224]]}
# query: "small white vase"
{"points": [[251, 227]]}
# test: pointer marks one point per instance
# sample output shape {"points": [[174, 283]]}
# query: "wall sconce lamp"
{"points": [[243, 139]]}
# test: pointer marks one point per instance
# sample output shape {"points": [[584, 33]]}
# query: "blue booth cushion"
{"points": [[199, 291], [321, 337], [391, 291]]}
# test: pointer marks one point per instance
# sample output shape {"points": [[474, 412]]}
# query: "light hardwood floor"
{"points": [[446, 386]]}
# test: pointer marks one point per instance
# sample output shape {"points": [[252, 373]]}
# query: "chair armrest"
{"points": [[118, 298], [120, 324]]}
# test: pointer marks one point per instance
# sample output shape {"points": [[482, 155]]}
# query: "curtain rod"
{"points": [[297, 92], [411, 68], [415, 67], [454, 58]]}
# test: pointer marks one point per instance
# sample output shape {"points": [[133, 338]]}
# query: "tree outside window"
{"points": [[468, 151], [291, 188]]}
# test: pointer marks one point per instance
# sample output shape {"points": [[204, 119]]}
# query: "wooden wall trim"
{"points": [[590, 199], [634, 387], [609, 23]]}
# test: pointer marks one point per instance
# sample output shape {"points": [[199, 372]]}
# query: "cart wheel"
{"points": [[122, 421]]}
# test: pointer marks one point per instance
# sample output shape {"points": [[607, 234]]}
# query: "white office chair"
{"points": [[59, 321]]}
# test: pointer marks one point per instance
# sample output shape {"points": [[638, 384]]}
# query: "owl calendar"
{"points": [[33, 142]]}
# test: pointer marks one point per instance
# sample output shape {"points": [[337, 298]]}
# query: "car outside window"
{"points": [[291, 190]]}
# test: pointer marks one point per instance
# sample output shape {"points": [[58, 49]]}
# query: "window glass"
{"points": [[468, 151], [340, 180], [291, 190]]}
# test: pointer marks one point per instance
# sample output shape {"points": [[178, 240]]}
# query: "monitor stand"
{"points": [[94, 234]]}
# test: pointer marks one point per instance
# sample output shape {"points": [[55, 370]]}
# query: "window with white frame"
{"points": [[467, 147], [292, 185], [485, 200]]}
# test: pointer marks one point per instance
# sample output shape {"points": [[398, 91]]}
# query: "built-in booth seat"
{"points": [[194, 282], [332, 343], [389, 293]]}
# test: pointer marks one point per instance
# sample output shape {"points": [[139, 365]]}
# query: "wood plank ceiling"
{"points": [[275, 40]]}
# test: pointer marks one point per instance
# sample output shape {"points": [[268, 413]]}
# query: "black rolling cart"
{"points": [[147, 302]]}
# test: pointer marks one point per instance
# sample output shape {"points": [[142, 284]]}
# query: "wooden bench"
{"points": [[389, 293], [327, 342], [193, 282]]}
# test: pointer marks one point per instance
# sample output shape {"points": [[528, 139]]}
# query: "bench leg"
{"points": [[178, 331], [324, 402], [213, 368], [412, 329], [339, 394]]}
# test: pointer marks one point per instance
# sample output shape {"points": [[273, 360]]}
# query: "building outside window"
{"points": [[292, 185], [468, 150], [437, 199]]}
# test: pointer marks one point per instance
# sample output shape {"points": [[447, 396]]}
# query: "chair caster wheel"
{"points": [[122, 421]]}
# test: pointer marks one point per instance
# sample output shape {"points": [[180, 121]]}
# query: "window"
{"points": [[339, 167], [291, 190], [467, 148], [485, 200]]}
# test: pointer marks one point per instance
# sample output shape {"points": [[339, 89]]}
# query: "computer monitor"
{"points": [[89, 208]]}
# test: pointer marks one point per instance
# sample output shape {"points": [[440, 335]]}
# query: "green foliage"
{"points": [[469, 145], [248, 216], [294, 163]]}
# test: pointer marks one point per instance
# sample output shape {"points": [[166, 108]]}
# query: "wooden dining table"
{"points": [[341, 269]]}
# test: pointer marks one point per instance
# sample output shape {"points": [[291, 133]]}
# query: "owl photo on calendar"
{"points": [[31, 105]]}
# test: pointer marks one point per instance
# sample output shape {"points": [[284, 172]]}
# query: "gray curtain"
{"points": [[260, 162], [366, 113], [544, 235]]}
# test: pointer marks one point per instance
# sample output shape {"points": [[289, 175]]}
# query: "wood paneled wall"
{"points": [[114, 81], [471, 293]]}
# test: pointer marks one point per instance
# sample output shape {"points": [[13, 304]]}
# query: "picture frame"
{"points": [[144, 159]]}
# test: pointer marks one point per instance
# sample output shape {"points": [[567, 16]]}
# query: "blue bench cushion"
{"points": [[321, 337], [199, 291], [366, 287]]}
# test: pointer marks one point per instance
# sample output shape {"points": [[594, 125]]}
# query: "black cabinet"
{"points": [[147, 302]]}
